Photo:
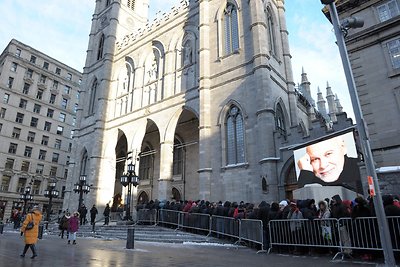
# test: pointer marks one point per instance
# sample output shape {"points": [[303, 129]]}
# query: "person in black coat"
{"points": [[93, 214]]}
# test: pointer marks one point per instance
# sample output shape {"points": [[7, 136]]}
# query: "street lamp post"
{"points": [[340, 29], [81, 187], [50, 193], [25, 197], [128, 179]]}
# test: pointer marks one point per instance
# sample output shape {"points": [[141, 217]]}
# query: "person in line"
{"points": [[31, 235], [106, 214], [63, 225], [73, 226], [93, 214], [327, 163], [82, 211]]}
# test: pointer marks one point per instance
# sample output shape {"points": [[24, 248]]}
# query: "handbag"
{"points": [[30, 225]]}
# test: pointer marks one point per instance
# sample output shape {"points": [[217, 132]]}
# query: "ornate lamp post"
{"points": [[50, 193], [81, 188], [128, 179], [25, 197]]}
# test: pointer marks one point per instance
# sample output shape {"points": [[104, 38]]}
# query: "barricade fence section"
{"points": [[195, 221], [147, 216], [224, 226], [251, 231], [168, 217]]}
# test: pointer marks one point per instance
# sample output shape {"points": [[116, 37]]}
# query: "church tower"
{"points": [[112, 19]]}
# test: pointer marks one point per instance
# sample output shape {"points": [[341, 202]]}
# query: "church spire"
{"points": [[330, 97], [339, 106], [321, 103]]}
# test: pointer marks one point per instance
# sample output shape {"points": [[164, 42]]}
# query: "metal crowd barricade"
{"points": [[147, 216], [169, 217], [196, 221], [252, 231], [304, 233], [225, 226]]}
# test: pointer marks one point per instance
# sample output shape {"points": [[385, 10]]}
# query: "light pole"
{"points": [[25, 197], [340, 29], [129, 179], [50, 193], [81, 187]]}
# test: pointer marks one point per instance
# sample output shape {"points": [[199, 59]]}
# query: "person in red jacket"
{"points": [[73, 226]]}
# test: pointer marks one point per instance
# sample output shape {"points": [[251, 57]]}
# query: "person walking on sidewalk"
{"points": [[63, 225], [31, 233], [93, 214], [106, 214], [73, 226]]}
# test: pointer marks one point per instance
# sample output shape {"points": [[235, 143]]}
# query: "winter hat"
{"points": [[337, 198], [283, 203]]}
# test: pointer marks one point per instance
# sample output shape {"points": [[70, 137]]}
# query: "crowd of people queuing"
{"points": [[333, 207]]}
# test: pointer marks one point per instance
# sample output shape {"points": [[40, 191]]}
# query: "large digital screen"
{"points": [[332, 161]]}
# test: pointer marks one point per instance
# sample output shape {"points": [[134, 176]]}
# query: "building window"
{"points": [[22, 103], [25, 90], [57, 144], [234, 136], [10, 82], [64, 103], [271, 32], [50, 113], [388, 10], [80, 82], [21, 185], [231, 29], [3, 113], [52, 99], [178, 157], [69, 76], [92, 100], [60, 130], [69, 147], [9, 164], [55, 85], [12, 149], [146, 164], [18, 52], [47, 126], [280, 121], [6, 98], [33, 59], [264, 185], [75, 107], [45, 140], [39, 168], [100, 48], [31, 137], [394, 52], [73, 121], [25, 166], [72, 133], [28, 151], [39, 94], [29, 73], [16, 133], [62, 117], [14, 66], [55, 157], [65, 176], [19, 118], [67, 89], [46, 65], [58, 71], [36, 108], [34, 122], [42, 78], [36, 187], [1, 126], [42, 154], [53, 171], [5, 183]]}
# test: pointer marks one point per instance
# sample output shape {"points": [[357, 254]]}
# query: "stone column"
{"points": [[166, 161]]}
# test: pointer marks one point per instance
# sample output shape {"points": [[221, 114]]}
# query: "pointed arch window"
{"points": [[92, 100], [271, 32], [280, 121], [178, 157], [146, 164], [84, 162], [234, 136], [101, 48], [231, 29]]}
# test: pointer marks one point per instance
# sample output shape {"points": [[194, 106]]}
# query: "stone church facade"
{"points": [[201, 101]]}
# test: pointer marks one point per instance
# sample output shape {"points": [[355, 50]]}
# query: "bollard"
{"points": [[40, 233], [130, 240], [1, 228]]}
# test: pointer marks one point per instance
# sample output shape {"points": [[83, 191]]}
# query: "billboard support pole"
{"points": [[362, 130]]}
